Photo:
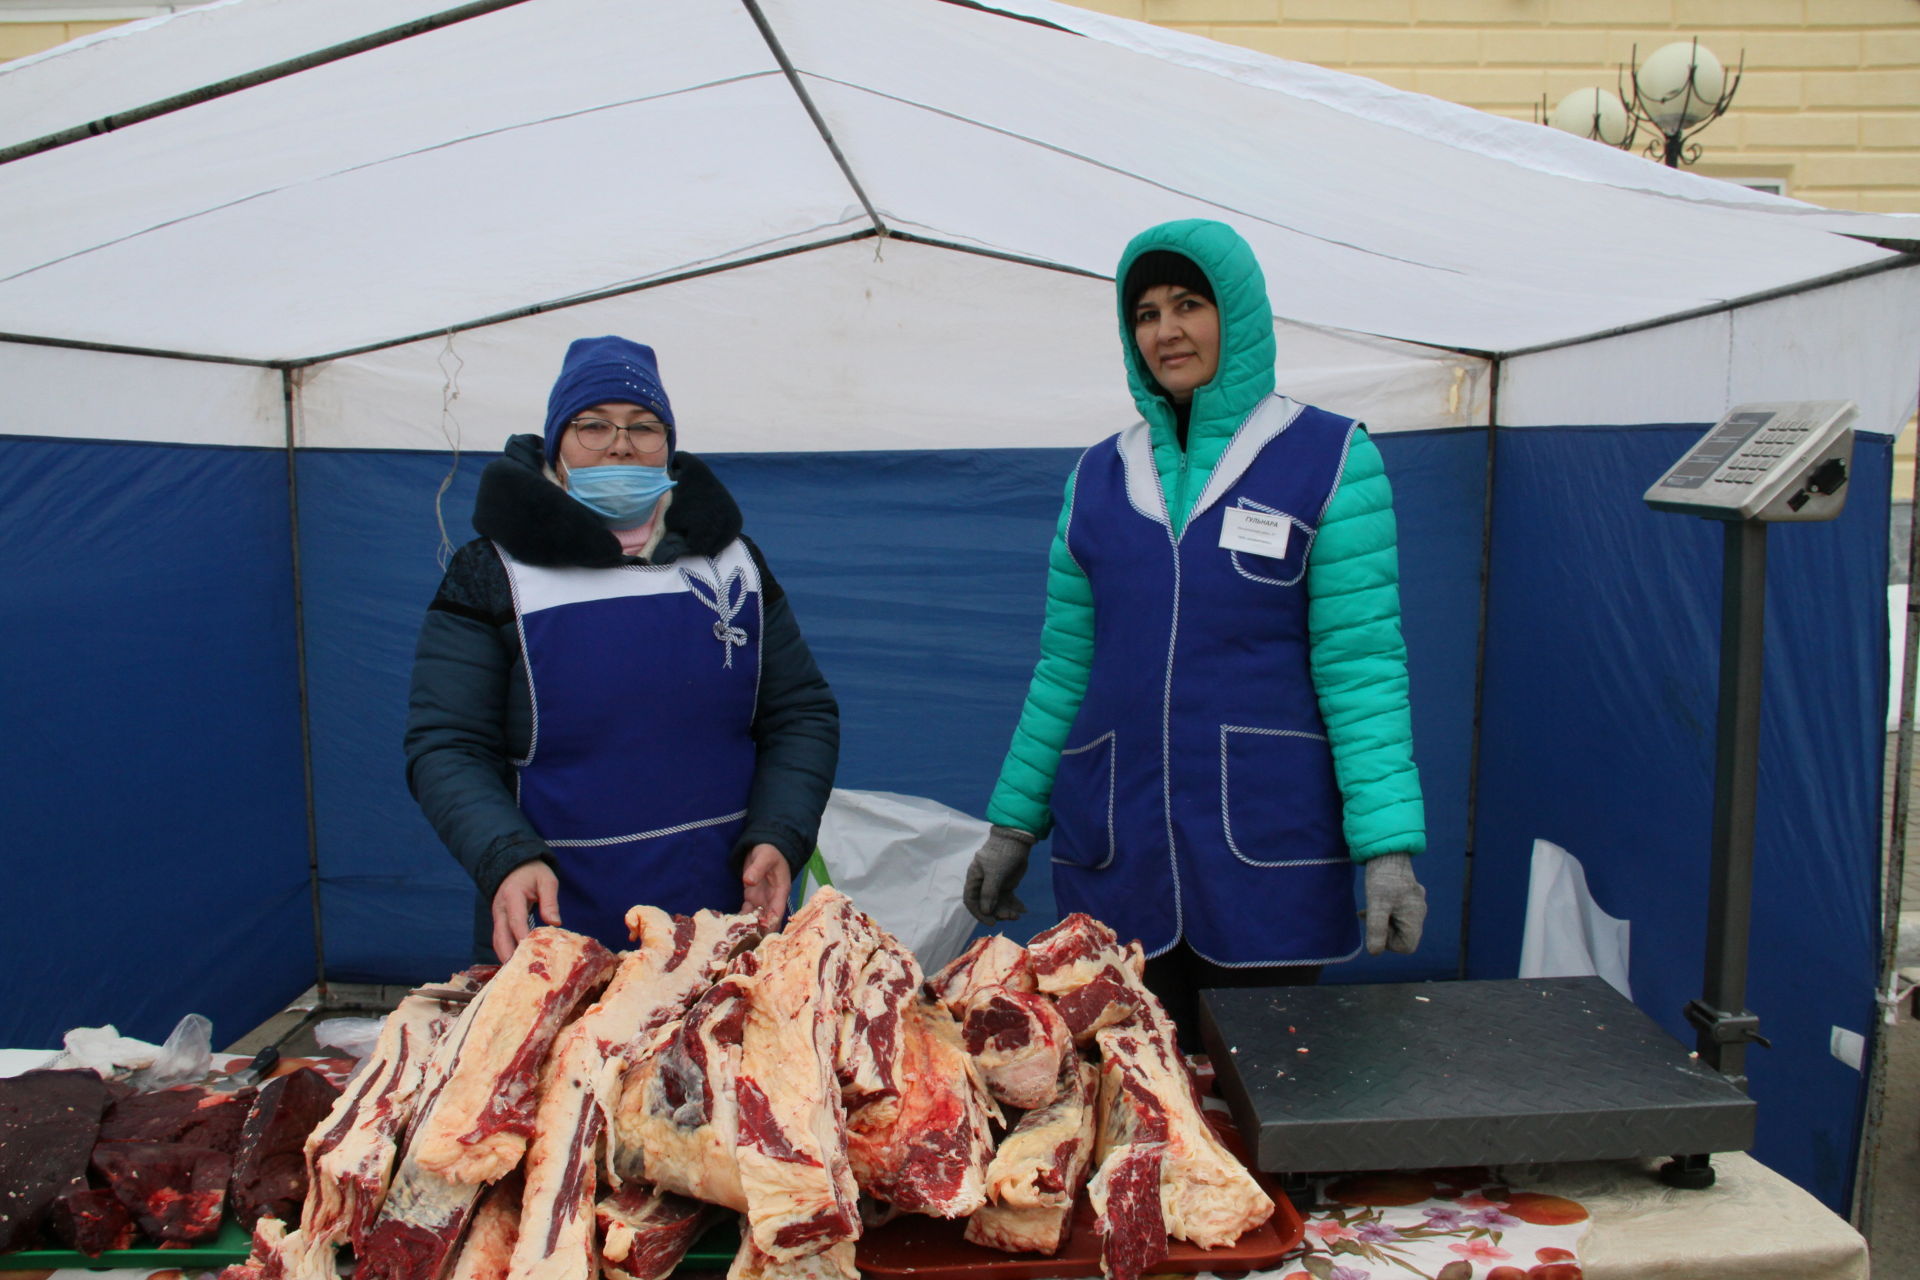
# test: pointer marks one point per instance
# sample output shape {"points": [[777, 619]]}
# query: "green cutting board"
{"points": [[232, 1245]]}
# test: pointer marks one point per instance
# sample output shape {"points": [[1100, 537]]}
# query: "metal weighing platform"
{"points": [[1428, 1075]]}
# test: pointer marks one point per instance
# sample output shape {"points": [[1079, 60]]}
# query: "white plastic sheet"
{"points": [[903, 859], [1567, 934]]}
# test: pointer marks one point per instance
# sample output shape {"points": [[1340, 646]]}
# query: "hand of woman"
{"points": [[529, 885], [766, 881]]}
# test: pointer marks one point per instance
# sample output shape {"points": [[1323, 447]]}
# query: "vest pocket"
{"points": [[1274, 571], [1083, 797], [1279, 804]]}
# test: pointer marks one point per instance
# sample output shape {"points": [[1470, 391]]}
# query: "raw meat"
{"points": [[174, 1191], [1019, 1041], [1039, 1169], [677, 958], [677, 1124], [263, 1260], [1096, 984], [836, 1262], [1126, 1196], [644, 1232], [487, 1252], [92, 1220], [1207, 1196], [269, 1170], [49, 1122], [350, 1154], [993, 961], [478, 1125], [1149, 1113], [423, 1215], [190, 1115], [924, 1148], [794, 1167]]}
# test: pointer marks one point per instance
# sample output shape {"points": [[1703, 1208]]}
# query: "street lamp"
{"points": [[1679, 90]]}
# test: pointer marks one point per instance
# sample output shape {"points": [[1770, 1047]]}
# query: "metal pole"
{"points": [[1721, 1015], [1479, 665], [290, 406], [1894, 873]]}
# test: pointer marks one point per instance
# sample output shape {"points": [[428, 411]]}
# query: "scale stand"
{"points": [[1760, 464]]}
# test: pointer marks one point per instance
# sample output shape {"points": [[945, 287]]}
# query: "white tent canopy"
{"points": [[267, 263], [383, 199]]}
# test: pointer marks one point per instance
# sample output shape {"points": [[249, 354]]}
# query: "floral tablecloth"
{"points": [[1461, 1224]]}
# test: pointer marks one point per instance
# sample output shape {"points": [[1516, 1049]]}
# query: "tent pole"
{"points": [[1496, 366], [157, 353], [300, 675], [1894, 872], [1894, 263], [813, 113], [258, 76]]}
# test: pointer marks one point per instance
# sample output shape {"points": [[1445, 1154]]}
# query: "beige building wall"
{"points": [[1830, 102], [18, 39]]}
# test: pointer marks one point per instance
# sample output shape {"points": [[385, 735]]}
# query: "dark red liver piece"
{"points": [[93, 1221], [49, 1121], [191, 1115], [270, 1170], [174, 1191]]}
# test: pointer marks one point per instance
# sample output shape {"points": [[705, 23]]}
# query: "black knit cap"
{"points": [[1163, 266]]}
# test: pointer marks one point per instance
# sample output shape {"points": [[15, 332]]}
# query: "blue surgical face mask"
{"points": [[623, 496]]}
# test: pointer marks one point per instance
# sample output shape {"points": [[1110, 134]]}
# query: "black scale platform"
{"points": [[1431, 1075]]}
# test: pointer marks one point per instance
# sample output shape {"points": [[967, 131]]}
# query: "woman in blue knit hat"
{"points": [[612, 703], [1217, 731]]}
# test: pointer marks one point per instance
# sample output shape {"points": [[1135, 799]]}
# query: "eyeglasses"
{"points": [[598, 434]]}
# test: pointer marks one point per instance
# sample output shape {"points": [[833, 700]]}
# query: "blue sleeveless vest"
{"points": [[1196, 795], [644, 681]]}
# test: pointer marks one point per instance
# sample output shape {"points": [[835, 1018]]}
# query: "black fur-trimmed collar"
{"points": [[535, 520]]}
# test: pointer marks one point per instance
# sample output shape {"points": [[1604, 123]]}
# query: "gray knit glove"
{"points": [[1396, 904], [995, 873]]}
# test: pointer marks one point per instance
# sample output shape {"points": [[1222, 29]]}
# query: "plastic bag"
{"points": [[1567, 935], [187, 1056], [354, 1037], [903, 860]]}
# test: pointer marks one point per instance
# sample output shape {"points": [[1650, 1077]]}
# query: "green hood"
{"points": [[1245, 376]]}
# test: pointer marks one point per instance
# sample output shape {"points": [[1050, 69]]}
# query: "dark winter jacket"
{"points": [[469, 713]]}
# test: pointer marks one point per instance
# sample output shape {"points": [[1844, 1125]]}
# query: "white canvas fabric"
{"points": [[486, 170]]}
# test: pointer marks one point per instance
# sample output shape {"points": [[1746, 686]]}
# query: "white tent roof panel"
{"points": [[93, 395], [455, 233], [841, 367], [1830, 344], [488, 166], [129, 66]]}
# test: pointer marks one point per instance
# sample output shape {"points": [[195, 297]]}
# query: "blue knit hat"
{"points": [[602, 371]]}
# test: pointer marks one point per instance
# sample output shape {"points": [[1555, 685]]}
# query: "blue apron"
{"points": [[1196, 794], [644, 680]]}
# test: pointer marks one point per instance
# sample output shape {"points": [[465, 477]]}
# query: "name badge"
{"points": [[1255, 531]]}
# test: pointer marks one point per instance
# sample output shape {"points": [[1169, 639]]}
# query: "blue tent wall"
{"points": [[1599, 724], [919, 580], [151, 778]]}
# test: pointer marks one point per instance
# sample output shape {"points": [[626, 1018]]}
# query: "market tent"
{"points": [[276, 270]]}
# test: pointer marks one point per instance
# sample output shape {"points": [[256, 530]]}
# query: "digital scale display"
{"points": [[1783, 461]]}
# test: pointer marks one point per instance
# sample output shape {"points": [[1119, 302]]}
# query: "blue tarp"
{"points": [[153, 802], [1598, 734], [156, 796]]}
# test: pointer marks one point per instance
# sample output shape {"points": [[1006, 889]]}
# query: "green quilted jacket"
{"points": [[1359, 660]]}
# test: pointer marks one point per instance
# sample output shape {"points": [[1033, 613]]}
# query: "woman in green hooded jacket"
{"points": [[1218, 725]]}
